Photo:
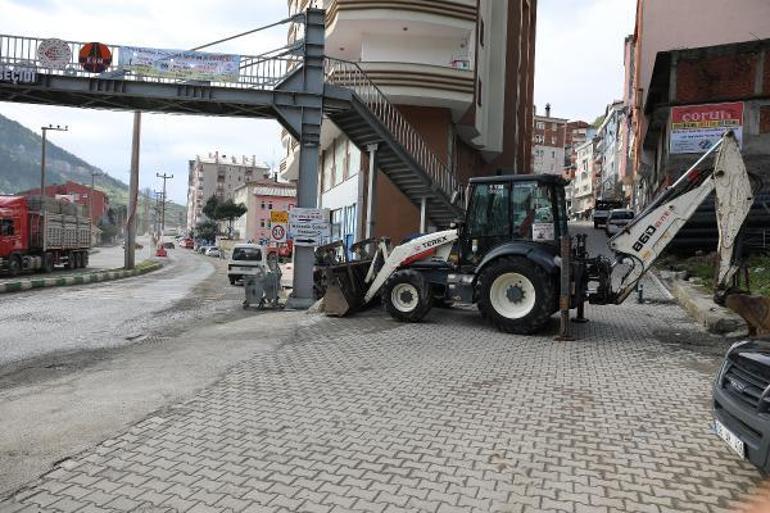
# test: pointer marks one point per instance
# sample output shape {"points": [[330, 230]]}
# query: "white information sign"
{"points": [[181, 64], [543, 231], [309, 226]]}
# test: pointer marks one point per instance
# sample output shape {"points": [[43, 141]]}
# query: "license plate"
{"points": [[731, 439]]}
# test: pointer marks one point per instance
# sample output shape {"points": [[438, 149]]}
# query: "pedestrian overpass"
{"points": [[297, 85]]}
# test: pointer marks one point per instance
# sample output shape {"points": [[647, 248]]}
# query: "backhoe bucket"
{"points": [[755, 310]]}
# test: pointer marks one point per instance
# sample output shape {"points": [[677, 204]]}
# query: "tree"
{"points": [[230, 211], [207, 230], [210, 208]]}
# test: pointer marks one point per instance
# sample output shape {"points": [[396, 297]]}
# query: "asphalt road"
{"points": [[38, 323]]}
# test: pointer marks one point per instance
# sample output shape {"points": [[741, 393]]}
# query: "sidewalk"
{"points": [[365, 414]]}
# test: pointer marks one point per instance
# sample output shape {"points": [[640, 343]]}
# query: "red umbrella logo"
{"points": [[95, 57]]}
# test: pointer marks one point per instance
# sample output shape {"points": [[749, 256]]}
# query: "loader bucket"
{"points": [[334, 302], [755, 310]]}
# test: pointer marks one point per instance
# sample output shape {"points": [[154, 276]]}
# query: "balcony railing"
{"points": [[350, 75]]}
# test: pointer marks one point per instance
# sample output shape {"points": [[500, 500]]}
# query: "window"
{"points": [[531, 204], [337, 224], [340, 154], [490, 211], [328, 165], [263, 205], [251, 254], [261, 223], [6, 227], [540, 125], [270, 206], [350, 220]]}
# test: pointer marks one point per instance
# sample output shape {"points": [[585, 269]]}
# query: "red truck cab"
{"points": [[14, 225]]}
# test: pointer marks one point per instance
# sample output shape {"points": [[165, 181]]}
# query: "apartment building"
{"points": [[218, 175], [610, 152], [585, 180], [548, 141], [459, 71], [261, 198], [665, 31]]}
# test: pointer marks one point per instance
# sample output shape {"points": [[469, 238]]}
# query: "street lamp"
{"points": [[45, 130]]}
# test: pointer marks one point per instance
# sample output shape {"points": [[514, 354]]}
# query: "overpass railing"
{"points": [[19, 55]]}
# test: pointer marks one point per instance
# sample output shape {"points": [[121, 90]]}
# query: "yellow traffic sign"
{"points": [[279, 216]]}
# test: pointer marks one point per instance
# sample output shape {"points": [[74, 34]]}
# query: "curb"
{"points": [[701, 307], [79, 279]]}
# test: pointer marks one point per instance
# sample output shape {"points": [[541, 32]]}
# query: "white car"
{"points": [[245, 260], [214, 252], [617, 219]]}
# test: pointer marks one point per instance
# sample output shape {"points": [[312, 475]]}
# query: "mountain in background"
{"points": [[20, 168]]}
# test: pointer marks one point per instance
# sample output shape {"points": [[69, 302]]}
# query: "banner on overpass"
{"points": [[180, 64]]}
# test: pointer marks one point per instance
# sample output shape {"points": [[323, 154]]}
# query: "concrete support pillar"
{"points": [[371, 200], [309, 127], [424, 215]]}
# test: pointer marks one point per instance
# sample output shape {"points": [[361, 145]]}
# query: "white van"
{"points": [[246, 259]]}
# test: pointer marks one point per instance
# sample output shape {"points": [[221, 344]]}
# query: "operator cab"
{"points": [[507, 208]]}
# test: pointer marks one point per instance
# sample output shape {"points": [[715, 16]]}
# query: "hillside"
{"points": [[20, 167]]}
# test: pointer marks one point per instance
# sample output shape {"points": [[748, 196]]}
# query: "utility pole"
{"points": [[43, 229], [91, 217], [133, 193], [165, 177]]}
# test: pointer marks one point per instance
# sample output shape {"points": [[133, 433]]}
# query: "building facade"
{"points": [[665, 27], [548, 143], [218, 175], [697, 94], [459, 71], [80, 194], [610, 153], [584, 183], [261, 198]]}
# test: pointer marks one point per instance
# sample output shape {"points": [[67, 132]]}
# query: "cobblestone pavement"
{"points": [[364, 414]]}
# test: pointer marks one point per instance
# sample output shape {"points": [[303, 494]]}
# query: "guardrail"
{"points": [[350, 75], [255, 71]]}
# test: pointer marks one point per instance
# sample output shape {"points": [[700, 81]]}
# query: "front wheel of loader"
{"points": [[516, 295], [406, 296]]}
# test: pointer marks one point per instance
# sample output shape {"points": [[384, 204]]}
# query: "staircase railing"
{"points": [[350, 75]]}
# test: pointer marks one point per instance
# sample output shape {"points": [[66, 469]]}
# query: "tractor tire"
{"points": [[516, 295], [14, 265], [407, 296], [48, 264]]}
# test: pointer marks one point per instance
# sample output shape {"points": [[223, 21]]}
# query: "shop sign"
{"points": [[180, 64], [695, 128]]}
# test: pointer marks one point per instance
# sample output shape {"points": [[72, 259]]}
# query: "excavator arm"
{"points": [[642, 241]]}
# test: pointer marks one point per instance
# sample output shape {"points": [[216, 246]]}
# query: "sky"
{"points": [[578, 69]]}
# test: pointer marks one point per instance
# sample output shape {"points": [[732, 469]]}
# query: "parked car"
{"points": [[617, 219], [245, 260], [742, 401], [203, 248], [168, 245], [186, 243], [214, 251], [602, 211]]}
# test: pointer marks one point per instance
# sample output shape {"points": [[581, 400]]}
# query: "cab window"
{"points": [[251, 254], [489, 205], [533, 214], [6, 227]]}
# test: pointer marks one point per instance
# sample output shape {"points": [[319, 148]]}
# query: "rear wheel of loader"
{"points": [[516, 295], [406, 296]]}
